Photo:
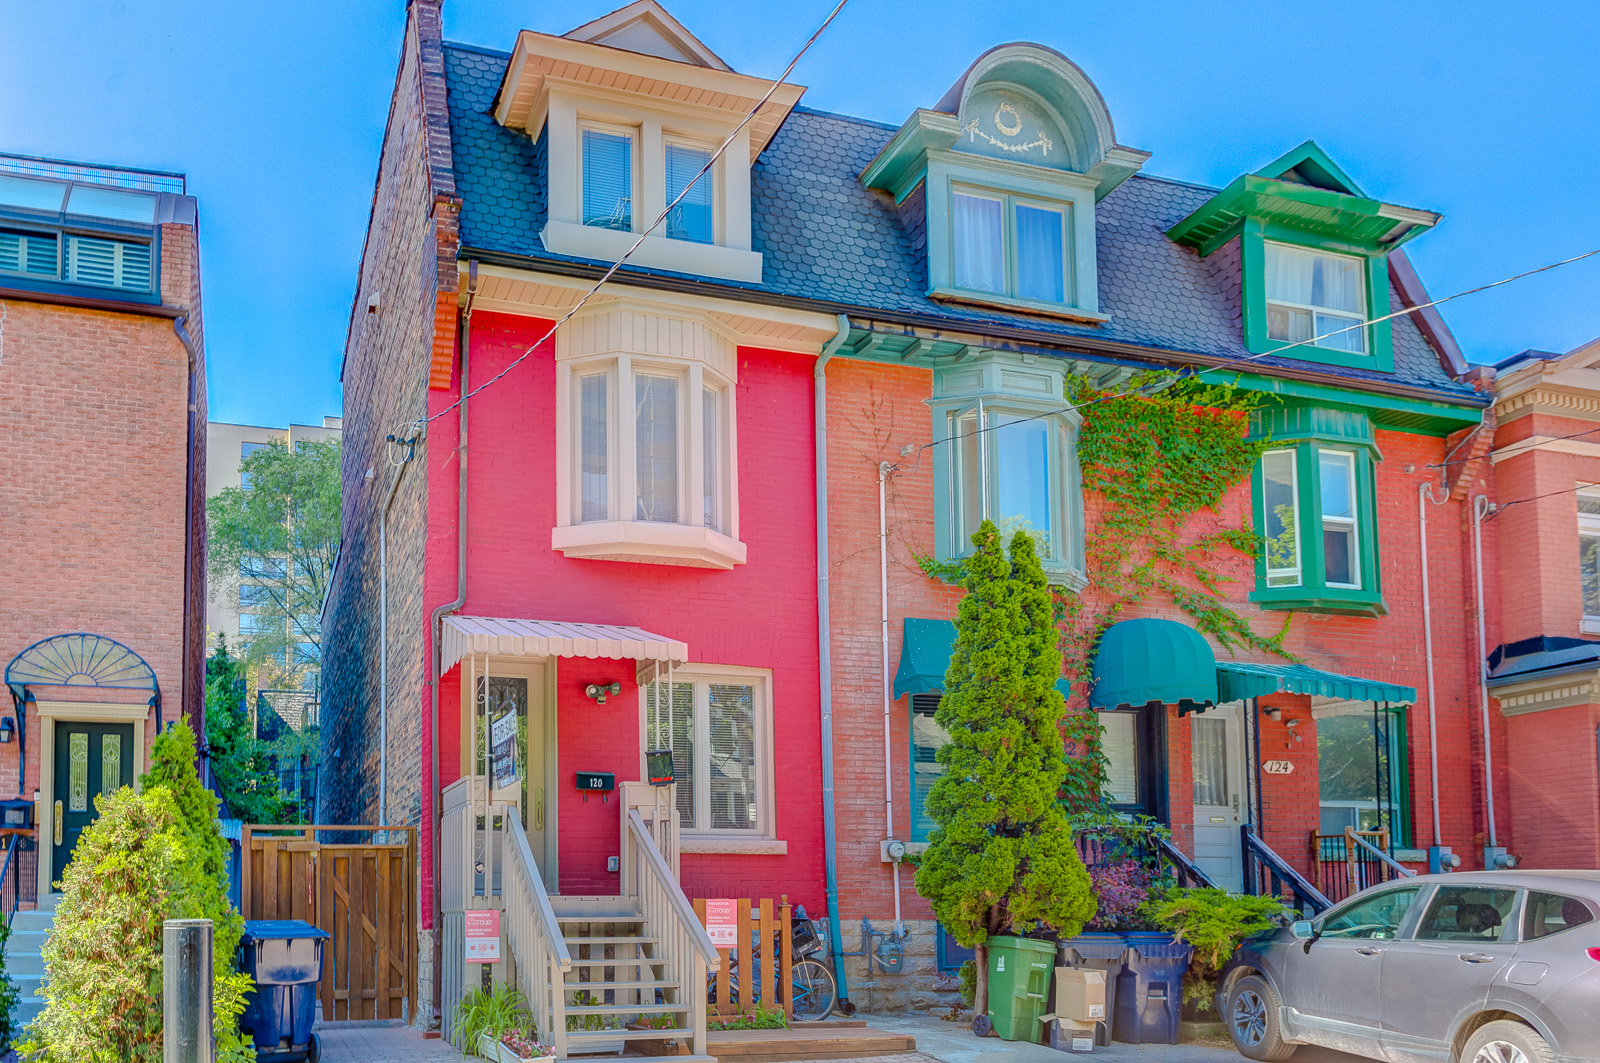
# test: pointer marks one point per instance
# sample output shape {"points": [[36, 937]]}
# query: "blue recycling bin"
{"points": [[1150, 989], [284, 959]]}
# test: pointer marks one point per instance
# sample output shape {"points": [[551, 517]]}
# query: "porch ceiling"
{"points": [[465, 635]]}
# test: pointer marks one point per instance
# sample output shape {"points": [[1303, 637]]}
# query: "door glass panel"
{"points": [[1210, 739], [732, 744], [1117, 742], [503, 733], [110, 763], [1378, 916], [78, 766], [1551, 913], [1467, 913]]}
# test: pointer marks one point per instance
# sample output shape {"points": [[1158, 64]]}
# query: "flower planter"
{"points": [[492, 1049]]}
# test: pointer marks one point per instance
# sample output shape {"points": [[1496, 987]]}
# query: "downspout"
{"points": [[201, 745], [883, 631], [1425, 496], [436, 620], [825, 653], [1481, 507], [383, 628]]}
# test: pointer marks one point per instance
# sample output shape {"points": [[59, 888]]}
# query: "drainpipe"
{"points": [[1438, 856], [883, 630], [436, 620], [1482, 507], [825, 652], [179, 326], [383, 628]]}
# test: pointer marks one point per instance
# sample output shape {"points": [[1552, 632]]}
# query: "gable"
{"points": [[646, 28]]}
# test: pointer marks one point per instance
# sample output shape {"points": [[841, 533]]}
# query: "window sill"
{"points": [[1027, 306], [649, 543], [1321, 600], [710, 843], [657, 252], [1056, 574], [1590, 625], [1305, 352]]}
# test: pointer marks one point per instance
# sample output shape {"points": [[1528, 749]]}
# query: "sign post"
{"points": [[483, 936]]}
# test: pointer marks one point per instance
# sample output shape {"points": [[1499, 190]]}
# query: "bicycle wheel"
{"points": [[813, 988]]}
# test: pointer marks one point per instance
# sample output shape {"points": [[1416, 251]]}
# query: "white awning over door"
{"points": [[464, 635]]}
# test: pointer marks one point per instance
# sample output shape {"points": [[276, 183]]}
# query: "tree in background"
{"points": [[1001, 858], [241, 764], [275, 540]]}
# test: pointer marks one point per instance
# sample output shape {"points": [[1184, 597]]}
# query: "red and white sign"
{"points": [[1278, 767], [483, 936], [722, 923]]}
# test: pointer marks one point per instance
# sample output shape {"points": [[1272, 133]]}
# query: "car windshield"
{"points": [[1378, 916]]}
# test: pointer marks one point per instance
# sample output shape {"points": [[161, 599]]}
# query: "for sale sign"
{"points": [[483, 936], [722, 922]]}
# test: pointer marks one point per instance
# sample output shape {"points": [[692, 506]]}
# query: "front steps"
{"points": [[25, 958], [617, 978]]}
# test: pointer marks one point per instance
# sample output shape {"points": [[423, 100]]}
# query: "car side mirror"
{"points": [[1302, 930]]}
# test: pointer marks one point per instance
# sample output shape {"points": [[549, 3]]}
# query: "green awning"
{"points": [[1140, 661], [1237, 680], [925, 655]]}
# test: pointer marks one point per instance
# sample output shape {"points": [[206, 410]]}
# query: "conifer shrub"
{"points": [[1001, 858]]}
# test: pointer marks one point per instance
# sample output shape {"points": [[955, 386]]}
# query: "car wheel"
{"points": [[1253, 1020], [1506, 1042]]}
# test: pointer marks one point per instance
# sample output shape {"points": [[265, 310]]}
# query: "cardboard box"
{"points": [[1069, 1035], [1081, 994]]}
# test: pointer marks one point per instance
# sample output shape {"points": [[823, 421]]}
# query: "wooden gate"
{"points": [[736, 990], [363, 895]]}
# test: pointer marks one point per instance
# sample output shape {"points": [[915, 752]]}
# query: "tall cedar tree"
{"points": [[1001, 859], [241, 764]]}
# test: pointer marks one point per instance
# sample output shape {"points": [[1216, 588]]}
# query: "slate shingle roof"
{"points": [[824, 236]]}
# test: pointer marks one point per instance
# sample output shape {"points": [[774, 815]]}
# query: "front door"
{"points": [[1218, 794], [512, 742], [91, 759]]}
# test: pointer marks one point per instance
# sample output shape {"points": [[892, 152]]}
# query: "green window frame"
{"points": [[1314, 499], [1256, 238], [926, 738], [1392, 774]]}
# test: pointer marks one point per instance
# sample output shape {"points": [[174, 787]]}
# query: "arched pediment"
{"points": [[80, 659], [1028, 103]]}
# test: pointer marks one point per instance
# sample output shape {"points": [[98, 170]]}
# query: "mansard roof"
{"points": [[830, 243]]}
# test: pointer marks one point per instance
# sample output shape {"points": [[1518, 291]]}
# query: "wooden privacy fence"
{"points": [[363, 895], [739, 989]]}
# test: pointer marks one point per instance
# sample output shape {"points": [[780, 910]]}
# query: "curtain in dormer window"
{"points": [[607, 179], [691, 219], [1040, 254], [980, 259]]}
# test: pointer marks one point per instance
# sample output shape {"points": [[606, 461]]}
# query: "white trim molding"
{"points": [[1549, 692]]}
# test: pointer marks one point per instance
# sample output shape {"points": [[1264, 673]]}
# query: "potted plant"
{"points": [[515, 1046], [483, 1016], [759, 1019]]}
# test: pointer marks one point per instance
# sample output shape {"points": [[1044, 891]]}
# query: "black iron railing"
{"points": [[18, 871], [1268, 874]]}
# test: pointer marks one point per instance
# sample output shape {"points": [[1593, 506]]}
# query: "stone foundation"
{"points": [[422, 1014], [918, 987]]}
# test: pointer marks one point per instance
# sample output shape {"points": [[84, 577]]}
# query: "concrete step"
{"points": [[24, 963], [28, 1008], [32, 922]]}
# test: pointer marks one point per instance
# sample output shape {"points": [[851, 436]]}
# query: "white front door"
{"points": [[1215, 753]]}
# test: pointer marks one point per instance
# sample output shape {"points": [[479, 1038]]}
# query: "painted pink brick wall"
{"points": [[761, 614]]}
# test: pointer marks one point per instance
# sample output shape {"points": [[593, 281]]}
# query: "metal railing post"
{"points": [[186, 991]]}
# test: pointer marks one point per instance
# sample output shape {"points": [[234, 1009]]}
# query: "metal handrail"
{"points": [[1257, 853], [1394, 865], [1188, 872], [12, 843]]}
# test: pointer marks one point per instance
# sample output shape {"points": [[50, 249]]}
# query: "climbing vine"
{"points": [[1152, 458]]}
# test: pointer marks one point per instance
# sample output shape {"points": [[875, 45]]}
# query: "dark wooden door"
{"points": [[91, 759]]}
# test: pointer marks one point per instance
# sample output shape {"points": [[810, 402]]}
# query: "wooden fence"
{"points": [[363, 895], [737, 990]]}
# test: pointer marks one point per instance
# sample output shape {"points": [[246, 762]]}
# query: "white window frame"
{"points": [[1298, 571], [701, 838], [711, 177], [1061, 454], [1351, 523], [1009, 202], [1352, 317], [634, 159], [1588, 527]]}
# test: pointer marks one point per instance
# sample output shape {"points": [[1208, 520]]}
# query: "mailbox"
{"points": [[16, 813], [603, 781]]}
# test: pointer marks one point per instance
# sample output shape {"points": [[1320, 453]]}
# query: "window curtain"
{"points": [[607, 180], [1041, 254], [596, 488], [1289, 274], [1210, 753], [656, 443], [980, 262], [691, 219]]}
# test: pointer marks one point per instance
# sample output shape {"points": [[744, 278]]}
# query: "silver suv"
{"points": [[1479, 967]]}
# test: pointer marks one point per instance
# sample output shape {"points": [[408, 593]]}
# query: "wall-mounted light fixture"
{"points": [[1294, 729], [598, 691], [1272, 712], [8, 730]]}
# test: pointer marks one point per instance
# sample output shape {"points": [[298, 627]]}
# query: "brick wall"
{"points": [[1554, 766]]}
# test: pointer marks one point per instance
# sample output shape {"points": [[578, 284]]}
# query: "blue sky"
{"points": [[1486, 112]]}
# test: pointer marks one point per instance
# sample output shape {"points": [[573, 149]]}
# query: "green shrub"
{"points": [[8, 988], [759, 1019], [492, 1012], [969, 982], [201, 889], [1213, 922], [103, 958]]}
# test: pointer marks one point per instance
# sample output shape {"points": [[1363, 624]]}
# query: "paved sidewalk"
{"points": [[376, 1042]]}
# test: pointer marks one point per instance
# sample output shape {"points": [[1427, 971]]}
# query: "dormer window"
{"points": [[1010, 246], [608, 178], [693, 217], [1316, 296]]}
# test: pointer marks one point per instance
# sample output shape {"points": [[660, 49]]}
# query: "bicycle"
{"points": [[812, 989]]}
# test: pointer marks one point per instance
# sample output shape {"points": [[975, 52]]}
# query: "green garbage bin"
{"points": [[1019, 984]]}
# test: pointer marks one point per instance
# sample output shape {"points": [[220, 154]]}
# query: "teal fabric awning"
{"points": [[1237, 680], [1140, 661], [925, 655]]}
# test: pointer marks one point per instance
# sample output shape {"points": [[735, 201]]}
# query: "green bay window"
{"points": [[1314, 512]]}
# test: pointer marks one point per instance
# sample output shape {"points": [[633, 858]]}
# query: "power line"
{"points": [[1501, 507], [688, 186]]}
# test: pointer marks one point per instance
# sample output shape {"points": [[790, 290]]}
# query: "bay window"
{"points": [[646, 445], [717, 723]]}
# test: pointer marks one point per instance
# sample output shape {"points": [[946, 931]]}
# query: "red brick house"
{"points": [[102, 435]]}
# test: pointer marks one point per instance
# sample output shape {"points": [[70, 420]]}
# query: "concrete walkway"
{"points": [[382, 1042]]}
